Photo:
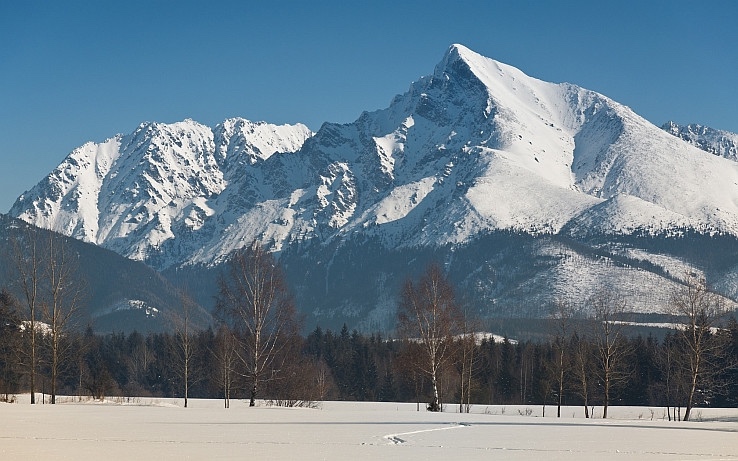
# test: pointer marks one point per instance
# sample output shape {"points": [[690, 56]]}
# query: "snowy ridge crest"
{"points": [[474, 147], [717, 142]]}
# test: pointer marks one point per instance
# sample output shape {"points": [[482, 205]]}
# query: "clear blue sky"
{"points": [[72, 72]]}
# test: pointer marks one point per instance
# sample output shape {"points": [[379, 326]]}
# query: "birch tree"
{"points": [[183, 345], [224, 353], [428, 314], [702, 312], [63, 295], [612, 348], [562, 314], [27, 259], [254, 298]]}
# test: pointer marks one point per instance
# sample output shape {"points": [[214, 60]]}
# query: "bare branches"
{"points": [[183, 347], [612, 347], [254, 299], [27, 259], [429, 315], [52, 292], [702, 312], [64, 294], [562, 313]]}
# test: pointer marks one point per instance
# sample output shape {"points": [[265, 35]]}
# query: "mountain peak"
{"points": [[473, 151], [458, 51], [478, 140], [454, 54]]}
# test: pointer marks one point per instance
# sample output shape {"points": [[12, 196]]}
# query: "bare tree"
{"points": [[296, 386], [253, 296], [139, 359], [465, 366], [27, 258], [324, 383], [561, 314], [61, 301], [224, 352], [702, 311], [428, 314], [612, 348], [673, 375], [183, 346], [466, 360]]}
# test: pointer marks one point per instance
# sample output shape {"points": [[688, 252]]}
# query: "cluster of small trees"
{"points": [[257, 352], [51, 291]]}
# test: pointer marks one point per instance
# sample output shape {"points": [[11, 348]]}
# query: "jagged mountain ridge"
{"points": [[718, 142], [478, 145], [473, 149], [133, 193]]}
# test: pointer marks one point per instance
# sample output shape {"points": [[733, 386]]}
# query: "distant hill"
{"points": [[122, 295]]}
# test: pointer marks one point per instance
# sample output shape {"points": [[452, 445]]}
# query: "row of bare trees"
{"points": [[257, 332], [52, 292], [592, 347], [256, 339]]}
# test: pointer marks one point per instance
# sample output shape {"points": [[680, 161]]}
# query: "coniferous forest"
{"points": [[258, 351], [347, 365]]}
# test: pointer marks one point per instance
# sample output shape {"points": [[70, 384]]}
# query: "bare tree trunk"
{"points": [[254, 296], [27, 260], [64, 297], [562, 314], [702, 311], [254, 388], [184, 345], [607, 395], [429, 314], [561, 385], [434, 405], [225, 357], [611, 347], [581, 371]]}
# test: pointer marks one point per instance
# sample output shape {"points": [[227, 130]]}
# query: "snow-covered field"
{"points": [[160, 429]]}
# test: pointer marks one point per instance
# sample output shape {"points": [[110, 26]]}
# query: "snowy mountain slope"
{"points": [[476, 148], [134, 193], [477, 145], [718, 142], [119, 295]]}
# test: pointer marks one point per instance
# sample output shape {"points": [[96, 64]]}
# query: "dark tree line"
{"points": [[256, 351], [347, 365]]}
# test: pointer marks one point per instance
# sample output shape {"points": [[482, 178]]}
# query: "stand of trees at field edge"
{"points": [[437, 359]]}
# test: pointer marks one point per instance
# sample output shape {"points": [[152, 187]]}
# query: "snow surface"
{"points": [[161, 429]]}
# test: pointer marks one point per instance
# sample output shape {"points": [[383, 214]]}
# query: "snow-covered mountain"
{"points": [[475, 148], [718, 142], [135, 193]]}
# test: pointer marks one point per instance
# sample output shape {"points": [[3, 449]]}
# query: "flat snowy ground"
{"points": [[160, 429]]}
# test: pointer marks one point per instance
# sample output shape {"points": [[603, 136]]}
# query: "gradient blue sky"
{"points": [[72, 71]]}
